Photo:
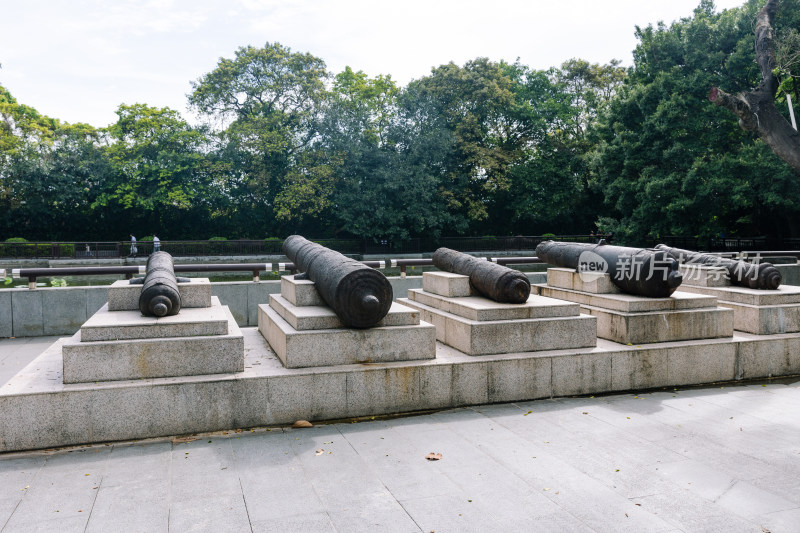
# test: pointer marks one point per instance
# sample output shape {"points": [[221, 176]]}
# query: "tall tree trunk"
{"points": [[756, 109]]}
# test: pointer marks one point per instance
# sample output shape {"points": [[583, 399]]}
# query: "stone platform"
{"points": [[38, 410], [478, 326], [123, 345], [304, 332], [761, 312], [630, 319]]}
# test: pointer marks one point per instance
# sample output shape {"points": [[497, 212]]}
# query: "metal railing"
{"points": [[32, 274], [242, 247]]}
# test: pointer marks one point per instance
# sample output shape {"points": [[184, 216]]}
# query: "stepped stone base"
{"points": [[123, 325], [341, 346], [181, 345], [304, 332], [475, 337], [122, 296], [630, 319], [756, 311], [662, 326], [310, 317], [479, 326]]}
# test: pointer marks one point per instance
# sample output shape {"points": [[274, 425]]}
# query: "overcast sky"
{"points": [[78, 60]]}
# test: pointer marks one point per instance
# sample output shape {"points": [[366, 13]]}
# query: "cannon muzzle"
{"points": [[160, 295]]}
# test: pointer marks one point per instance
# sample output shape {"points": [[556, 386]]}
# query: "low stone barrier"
{"points": [[62, 310]]}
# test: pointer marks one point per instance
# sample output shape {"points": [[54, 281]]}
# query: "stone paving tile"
{"points": [[781, 521], [657, 461], [595, 505], [16, 353], [354, 498], [273, 481], [64, 490], [305, 522]]}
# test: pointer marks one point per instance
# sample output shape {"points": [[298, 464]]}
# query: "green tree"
{"points": [[160, 179], [666, 160], [49, 173], [268, 98]]}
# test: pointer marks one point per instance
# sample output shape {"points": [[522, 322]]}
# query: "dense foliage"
{"points": [[483, 148]]}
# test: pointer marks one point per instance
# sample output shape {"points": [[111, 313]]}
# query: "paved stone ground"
{"points": [[721, 459]]}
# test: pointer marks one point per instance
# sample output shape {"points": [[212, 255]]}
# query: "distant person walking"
{"points": [[134, 250], [156, 244]]}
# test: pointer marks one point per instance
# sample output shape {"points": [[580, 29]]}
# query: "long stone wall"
{"points": [[62, 310]]}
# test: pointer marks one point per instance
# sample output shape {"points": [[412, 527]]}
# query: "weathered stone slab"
{"points": [[122, 296], [628, 303], [35, 403], [783, 295], [765, 319], [153, 358], [299, 349], [300, 292], [704, 276], [483, 309], [591, 282], [446, 284], [662, 326], [310, 317], [107, 325], [508, 336]]}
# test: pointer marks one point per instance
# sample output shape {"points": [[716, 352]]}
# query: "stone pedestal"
{"points": [[124, 345], [761, 312], [630, 319], [478, 326], [122, 296], [304, 332]]}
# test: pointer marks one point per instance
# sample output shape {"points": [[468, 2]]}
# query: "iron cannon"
{"points": [[639, 271], [496, 282], [763, 276], [359, 295], [160, 295]]}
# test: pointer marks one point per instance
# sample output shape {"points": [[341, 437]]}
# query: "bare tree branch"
{"points": [[756, 109]]}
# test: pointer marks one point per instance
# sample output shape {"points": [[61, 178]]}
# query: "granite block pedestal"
{"points": [[304, 332], [761, 312], [630, 319], [123, 345], [478, 326]]}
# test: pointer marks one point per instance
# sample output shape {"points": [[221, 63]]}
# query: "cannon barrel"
{"points": [[639, 271], [496, 282], [763, 276], [160, 295], [359, 295]]}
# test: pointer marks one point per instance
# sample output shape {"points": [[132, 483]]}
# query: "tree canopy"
{"points": [[487, 147]]}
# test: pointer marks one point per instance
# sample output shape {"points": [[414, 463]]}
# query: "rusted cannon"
{"points": [[496, 282], [160, 295], [639, 271], [359, 295], [763, 276]]}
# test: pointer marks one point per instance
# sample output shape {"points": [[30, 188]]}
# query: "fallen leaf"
{"points": [[302, 424], [178, 440], [319, 452], [585, 412], [433, 456], [526, 414]]}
